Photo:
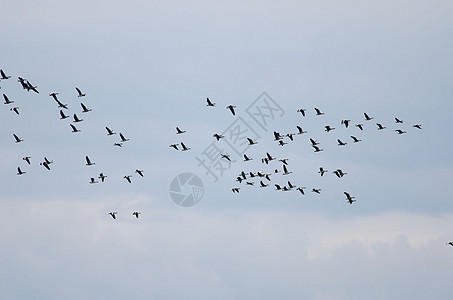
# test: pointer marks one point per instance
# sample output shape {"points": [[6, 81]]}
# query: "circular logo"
{"points": [[186, 189]]}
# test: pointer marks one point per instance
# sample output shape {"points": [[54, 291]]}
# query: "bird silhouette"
{"points": [[302, 111], [128, 178], [89, 163], [136, 213], [15, 109], [349, 198], [285, 170], [360, 126], [7, 101], [62, 115], [218, 136], [226, 156], [92, 180], [318, 111], [179, 131], [209, 103], [18, 139], [79, 92], [74, 129], [102, 177], [27, 159], [20, 172], [76, 119], [345, 123], [354, 139], [380, 127], [367, 117], [123, 139], [246, 158], [301, 131], [398, 120], [235, 190], [4, 77], [113, 214], [417, 126], [340, 143], [399, 131], [175, 146], [139, 172], [231, 108], [328, 128], [322, 171], [84, 108], [251, 142], [184, 148]]}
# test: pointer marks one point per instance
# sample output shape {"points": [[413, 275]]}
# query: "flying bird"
{"points": [[84, 108], [284, 161], [89, 163], [302, 111], [15, 109], [48, 161], [399, 131], [322, 171], [318, 112], [367, 117], [79, 92], [62, 115], [301, 189], [281, 143], [109, 131], [136, 213], [251, 142], [277, 136], [290, 185], [340, 143], [317, 191], [314, 142], [92, 180], [20, 172], [179, 131], [345, 123], [74, 129], [123, 139], [175, 146], [301, 131], [328, 128], [31, 87], [285, 170], [18, 139], [417, 126], [262, 184], [118, 144], [7, 101], [290, 136], [128, 178], [360, 126], [113, 214], [380, 127], [65, 106], [102, 177], [54, 95], [209, 103], [398, 120], [184, 148], [235, 190], [76, 119], [139, 172], [449, 243], [355, 140], [226, 156], [349, 198], [246, 158], [317, 149], [27, 159], [231, 108], [45, 164], [218, 136], [4, 75]]}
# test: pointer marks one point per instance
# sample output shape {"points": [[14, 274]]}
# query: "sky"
{"points": [[147, 67]]}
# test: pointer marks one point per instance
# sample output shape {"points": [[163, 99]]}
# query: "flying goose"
{"points": [[269, 157], [380, 127], [113, 214], [318, 112], [278, 187], [89, 163], [7, 101], [184, 148], [399, 131], [74, 129], [314, 142], [62, 115], [23, 83], [109, 131], [27, 159], [79, 92], [355, 140], [317, 149], [54, 95], [76, 119], [20, 172], [246, 158], [123, 139], [317, 191], [47, 161], [360, 126], [398, 120], [209, 102], [218, 136], [449, 243], [367, 117], [301, 189], [277, 136], [136, 213], [15, 109], [139, 172], [45, 164], [128, 178], [349, 198], [235, 190], [226, 156], [175, 146], [84, 108], [31, 87], [285, 170], [251, 142], [301, 131], [118, 144], [340, 143], [345, 123], [18, 139], [328, 128], [290, 185], [102, 177], [262, 184], [179, 131], [284, 161], [417, 126], [281, 143], [92, 180], [302, 111], [4, 75], [231, 108], [322, 171], [249, 183], [290, 135]]}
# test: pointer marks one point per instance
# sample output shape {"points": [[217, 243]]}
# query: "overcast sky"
{"points": [[147, 67]]}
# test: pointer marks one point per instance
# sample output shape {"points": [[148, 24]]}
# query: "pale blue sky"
{"points": [[148, 67]]}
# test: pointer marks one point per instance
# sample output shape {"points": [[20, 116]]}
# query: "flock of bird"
{"points": [[263, 178], [46, 163]]}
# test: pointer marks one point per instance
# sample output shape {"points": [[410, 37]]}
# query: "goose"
{"points": [[118, 144], [318, 112], [398, 120], [340, 143], [113, 214], [123, 139], [45, 164], [136, 213], [27, 159], [349, 198], [367, 117], [250, 183], [399, 131], [109, 131], [301, 189], [76, 119], [7, 101], [23, 83], [284, 161], [65, 106], [285, 170], [31, 87], [360, 126], [267, 176], [328, 128], [102, 177], [128, 178], [179, 131], [262, 184], [246, 158], [54, 95], [380, 127], [341, 173], [278, 187], [218, 136], [290, 135], [4, 75], [139, 172], [345, 123], [317, 191], [285, 189], [20, 172], [355, 140], [92, 180], [252, 175], [89, 163], [226, 156], [235, 190], [322, 171], [209, 103], [337, 173], [184, 148], [74, 129], [84, 108], [15, 109], [276, 171], [269, 157], [314, 142], [231, 108], [265, 160], [251, 142], [239, 179], [290, 185], [18, 139], [47, 161], [449, 243], [79, 92], [62, 115], [175, 146], [244, 176], [302, 111], [317, 149], [277, 136], [282, 143], [301, 131], [417, 126]]}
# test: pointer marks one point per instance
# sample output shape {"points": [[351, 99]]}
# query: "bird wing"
{"points": [[84, 107], [88, 160], [73, 128], [78, 91]]}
